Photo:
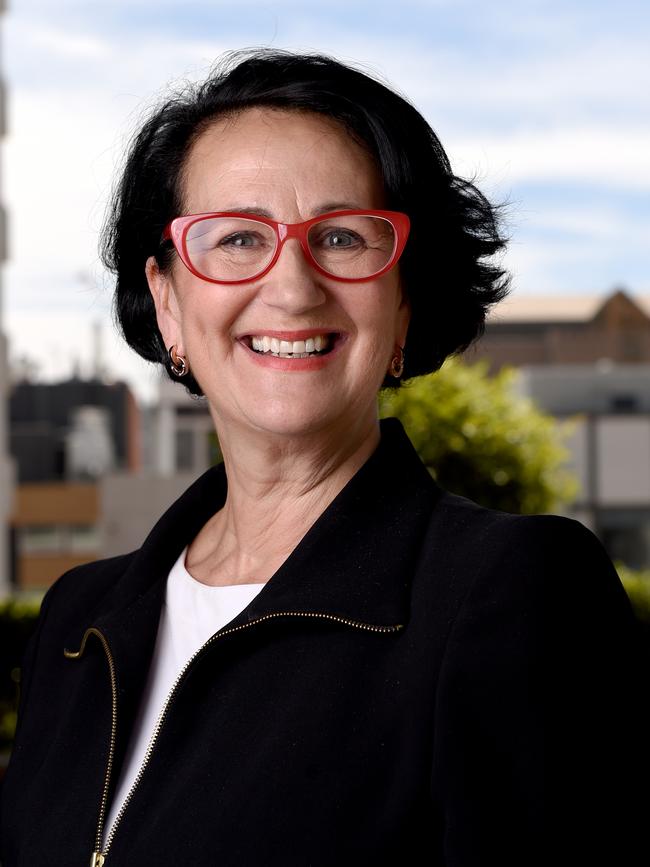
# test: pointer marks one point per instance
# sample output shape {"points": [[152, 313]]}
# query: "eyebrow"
{"points": [[323, 209], [337, 206]]}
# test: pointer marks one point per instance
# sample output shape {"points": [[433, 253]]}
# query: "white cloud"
{"points": [[595, 155], [62, 43], [600, 224]]}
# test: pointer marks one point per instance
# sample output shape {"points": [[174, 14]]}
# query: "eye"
{"points": [[240, 239], [339, 239]]}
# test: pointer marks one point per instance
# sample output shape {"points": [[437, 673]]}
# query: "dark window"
{"points": [[624, 403], [184, 449]]}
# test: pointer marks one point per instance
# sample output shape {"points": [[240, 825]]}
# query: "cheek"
{"points": [[382, 317], [207, 314]]}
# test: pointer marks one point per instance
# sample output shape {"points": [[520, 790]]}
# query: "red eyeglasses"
{"points": [[351, 246]]}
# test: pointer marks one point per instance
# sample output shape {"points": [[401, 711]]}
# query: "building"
{"points": [[83, 489], [182, 432], [66, 438], [179, 444], [55, 527], [77, 429], [588, 357], [543, 330]]}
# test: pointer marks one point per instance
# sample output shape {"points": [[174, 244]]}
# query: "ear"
{"points": [[168, 313]]}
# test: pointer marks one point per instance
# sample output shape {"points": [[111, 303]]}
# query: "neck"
{"points": [[278, 485]]}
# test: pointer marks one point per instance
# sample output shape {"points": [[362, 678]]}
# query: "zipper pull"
{"points": [[96, 859]]}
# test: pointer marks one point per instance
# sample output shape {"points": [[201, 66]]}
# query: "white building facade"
{"points": [[609, 404]]}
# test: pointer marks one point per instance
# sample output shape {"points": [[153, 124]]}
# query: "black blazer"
{"points": [[392, 696]]}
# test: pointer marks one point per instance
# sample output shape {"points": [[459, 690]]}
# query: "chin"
{"points": [[296, 423], [295, 413]]}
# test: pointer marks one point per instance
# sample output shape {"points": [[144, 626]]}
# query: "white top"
{"points": [[192, 612]]}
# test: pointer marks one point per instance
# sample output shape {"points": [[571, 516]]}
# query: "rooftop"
{"points": [[519, 307]]}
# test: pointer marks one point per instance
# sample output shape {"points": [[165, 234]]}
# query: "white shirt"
{"points": [[192, 612]]}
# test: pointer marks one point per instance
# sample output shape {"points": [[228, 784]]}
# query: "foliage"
{"points": [[637, 586], [481, 440], [214, 450]]}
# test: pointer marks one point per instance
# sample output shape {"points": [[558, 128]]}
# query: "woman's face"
{"points": [[289, 166]]}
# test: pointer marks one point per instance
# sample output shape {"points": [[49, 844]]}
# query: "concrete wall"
{"points": [[131, 504]]}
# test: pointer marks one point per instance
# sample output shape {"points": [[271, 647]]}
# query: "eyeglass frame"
{"points": [[176, 232]]}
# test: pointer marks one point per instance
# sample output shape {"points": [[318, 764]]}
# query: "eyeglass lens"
{"points": [[233, 248]]}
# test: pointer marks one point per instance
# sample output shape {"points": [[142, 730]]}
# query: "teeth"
{"points": [[290, 348]]}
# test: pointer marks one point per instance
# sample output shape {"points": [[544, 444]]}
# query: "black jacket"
{"points": [[392, 696]]}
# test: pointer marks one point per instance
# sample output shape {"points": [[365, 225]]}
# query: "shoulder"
{"points": [[495, 560], [527, 588], [509, 539]]}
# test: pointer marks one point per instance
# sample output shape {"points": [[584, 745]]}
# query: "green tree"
{"points": [[637, 585], [481, 440]]}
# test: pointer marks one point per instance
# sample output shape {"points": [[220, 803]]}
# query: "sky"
{"points": [[545, 105]]}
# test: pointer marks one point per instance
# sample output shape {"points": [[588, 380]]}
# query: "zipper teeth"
{"points": [[371, 627], [70, 654]]}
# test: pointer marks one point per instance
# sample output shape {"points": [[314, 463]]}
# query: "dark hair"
{"points": [[454, 229]]}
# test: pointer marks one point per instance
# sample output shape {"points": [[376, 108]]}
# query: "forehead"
{"points": [[277, 158]]}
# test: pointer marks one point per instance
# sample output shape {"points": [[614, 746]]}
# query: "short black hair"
{"points": [[445, 270]]}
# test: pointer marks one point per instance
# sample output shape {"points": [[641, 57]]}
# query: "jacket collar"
{"points": [[355, 562]]}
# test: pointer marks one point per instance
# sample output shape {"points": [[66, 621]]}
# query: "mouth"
{"points": [[282, 346]]}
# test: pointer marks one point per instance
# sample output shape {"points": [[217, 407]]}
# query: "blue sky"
{"points": [[544, 103]]}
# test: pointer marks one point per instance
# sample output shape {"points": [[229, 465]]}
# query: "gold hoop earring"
{"points": [[177, 363], [396, 368]]}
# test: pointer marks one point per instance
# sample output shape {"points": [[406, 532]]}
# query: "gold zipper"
{"points": [[98, 856]]}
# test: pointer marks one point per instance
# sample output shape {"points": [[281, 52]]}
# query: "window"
{"points": [[83, 539], [624, 403], [58, 539], [40, 540], [184, 449]]}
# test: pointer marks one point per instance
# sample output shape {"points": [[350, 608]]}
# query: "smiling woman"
{"points": [[319, 656]]}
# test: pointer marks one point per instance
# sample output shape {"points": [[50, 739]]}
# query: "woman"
{"points": [[346, 658]]}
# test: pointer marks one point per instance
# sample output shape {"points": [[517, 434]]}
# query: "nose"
{"points": [[292, 284]]}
